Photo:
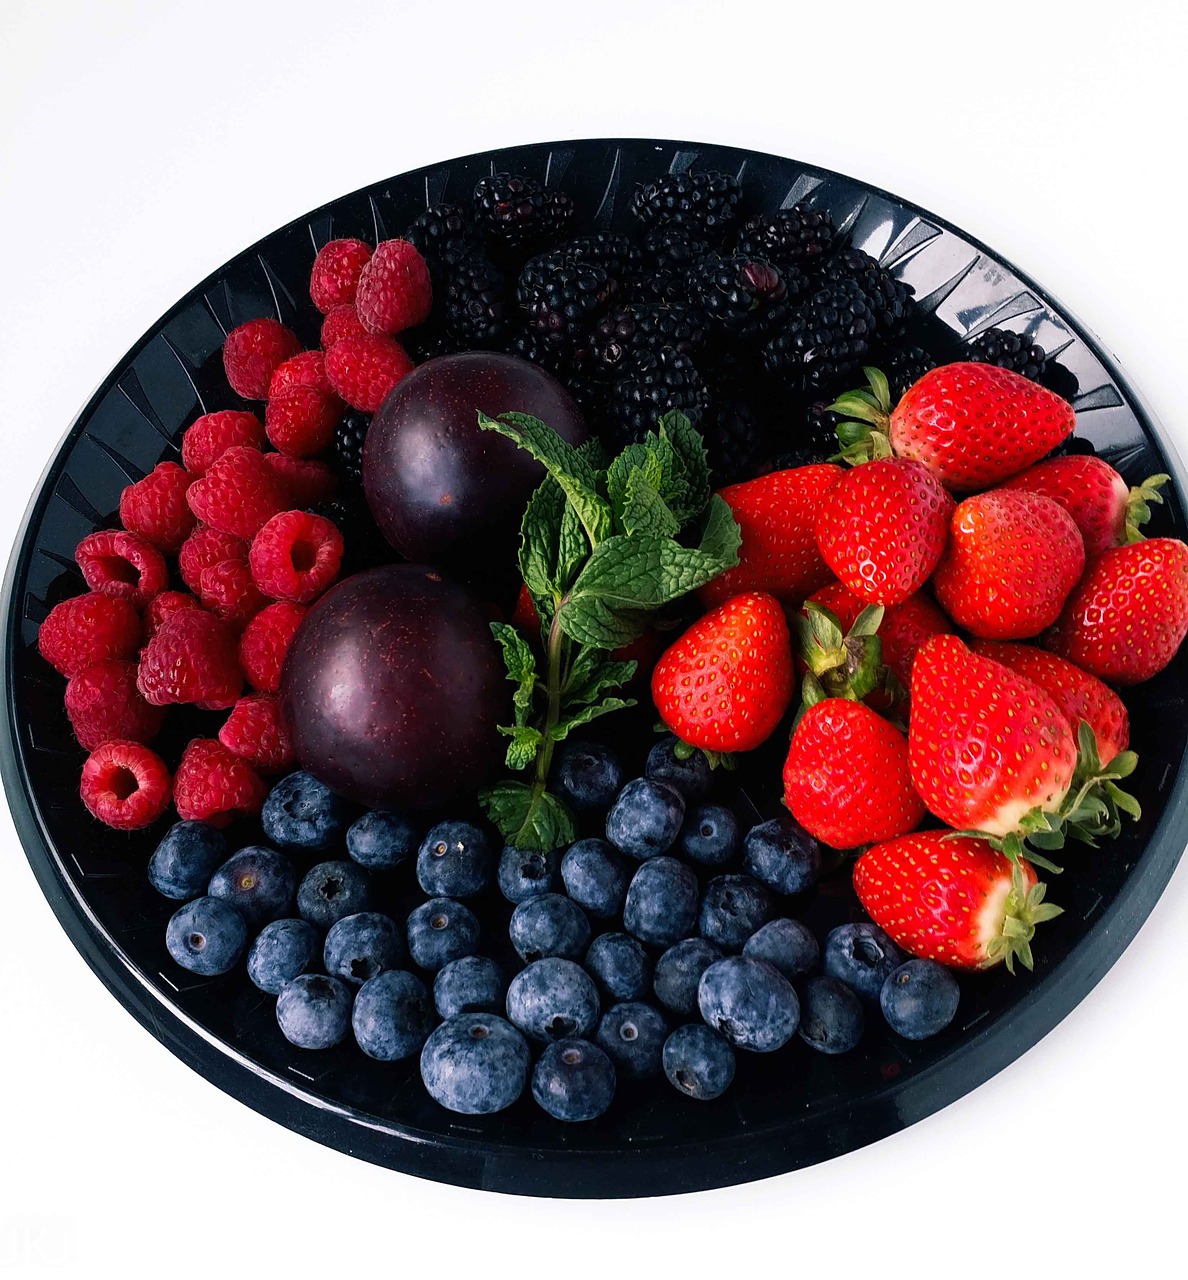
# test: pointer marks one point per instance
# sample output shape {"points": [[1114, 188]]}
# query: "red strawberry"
{"points": [[1129, 614], [953, 898], [846, 778], [1012, 560], [726, 683]]}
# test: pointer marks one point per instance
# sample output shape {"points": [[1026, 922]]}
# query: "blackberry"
{"points": [[478, 306], [800, 236], [825, 341], [614, 253], [732, 438], [349, 436], [1056, 377], [518, 211], [705, 201], [444, 232], [907, 366], [622, 334], [658, 288], [654, 383], [890, 299], [747, 297], [428, 341], [564, 299], [531, 345], [1007, 350], [674, 248], [556, 214]]}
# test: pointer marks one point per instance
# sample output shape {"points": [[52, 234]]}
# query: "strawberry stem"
{"points": [[863, 435], [1024, 909], [1138, 505], [841, 665]]}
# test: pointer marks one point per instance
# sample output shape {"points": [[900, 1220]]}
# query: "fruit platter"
{"points": [[606, 668]]}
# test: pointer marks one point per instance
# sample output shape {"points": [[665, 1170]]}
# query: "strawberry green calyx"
{"points": [[843, 665], [1138, 505], [685, 750], [1023, 910], [864, 435]]}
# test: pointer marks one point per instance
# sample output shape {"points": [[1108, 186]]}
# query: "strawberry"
{"points": [[1129, 614], [1012, 560], [951, 898], [846, 778], [726, 683]]}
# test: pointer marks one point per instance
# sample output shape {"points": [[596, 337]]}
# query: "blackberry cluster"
{"points": [[622, 334], [1008, 350], [890, 300], [652, 385], [705, 201], [518, 211], [674, 248], [744, 296], [349, 437], [800, 236], [908, 366], [826, 341], [563, 298], [443, 233], [477, 308]]}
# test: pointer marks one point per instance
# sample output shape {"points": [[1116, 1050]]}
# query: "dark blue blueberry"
{"points": [[475, 1063], [710, 834], [919, 999], [620, 966], [473, 984], [258, 882], [362, 946], [314, 1012], [646, 818], [678, 974], [791, 946], [332, 890], [524, 873], [392, 1016], [574, 1080], [661, 906], [783, 855], [303, 813], [455, 861], [750, 1002], [691, 776], [206, 936], [698, 1062], [549, 925], [552, 999], [633, 1036], [732, 908], [861, 956], [594, 877], [831, 1018], [588, 775], [381, 840], [282, 950], [186, 858], [439, 931]]}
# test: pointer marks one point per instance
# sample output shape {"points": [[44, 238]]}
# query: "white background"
{"points": [[143, 144]]}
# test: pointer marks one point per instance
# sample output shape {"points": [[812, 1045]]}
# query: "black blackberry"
{"points": [[825, 340], [556, 215], [907, 366], [564, 299], [518, 211], [732, 435], [443, 232], [890, 299], [478, 307], [531, 345], [746, 297], [427, 341], [657, 288], [674, 248], [614, 253], [1007, 350], [1056, 377], [622, 334], [706, 201], [653, 384], [349, 436], [799, 236]]}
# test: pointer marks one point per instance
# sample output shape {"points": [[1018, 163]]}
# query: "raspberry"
{"points": [[104, 704], [255, 731], [210, 436], [300, 421], [296, 556], [335, 274], [395, 291], [156, 507], [161, 608], [253, 351], [86, 629], [239, 493], [340, 322], [306, 481], [192, 658], [125, 785], [363, 370], [227, 590], [266, 640], [305, 370], [212, 785], [123, 565], [204, 547]]}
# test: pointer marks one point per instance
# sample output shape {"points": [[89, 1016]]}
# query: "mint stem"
{"points": [[553, 651]]}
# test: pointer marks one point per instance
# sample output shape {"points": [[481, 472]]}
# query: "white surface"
{"points": [[142, 144]]}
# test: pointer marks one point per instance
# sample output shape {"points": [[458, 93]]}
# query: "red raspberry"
{"points": [[212, 785], [340, 322], [305, 370], [86, 629], [306, 481], [227, 590], [210, 436], [253, 351], [125, 785], [395, 291], [239, 493], [363, 370], [156, 507], [104, 704], [266, 640], [204, 547], [192, 658], [300, 421], [335, 274], [164, 606], [123, 565], [255, 731], [296, 556]]}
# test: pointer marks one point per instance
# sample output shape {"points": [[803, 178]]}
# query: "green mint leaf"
{"points": [[540, 536], [573, 548], [521, 667], [584, 715], [524, 745], [527, 816], [690, 449], [594, 674], [644, 510]]}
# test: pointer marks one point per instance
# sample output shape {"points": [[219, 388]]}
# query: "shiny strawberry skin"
{"points": [[1089, 489]]}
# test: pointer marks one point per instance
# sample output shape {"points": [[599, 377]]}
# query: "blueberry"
{"points": [[282, 950], [206, 936], [362, 946], [691, 776], [314, 1012], [861, 956], [574, 1080], [732, 908], [258, 882], [661, 906], [646, 818], [698, 1062], [186, 858], [455, 861], [552, 999], [594, 877], [381, 840], [791, 946], [633, 1036], [549, 925], [392, 1016], [620, 966], [750, 1002], [303, 813], [588, 775], [831, 1018], [919, 999], [473, 984], [678, 974], [332, 890], [475, 1064], [783, 855], [710, 834], [524, 873], [439, 931]]}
